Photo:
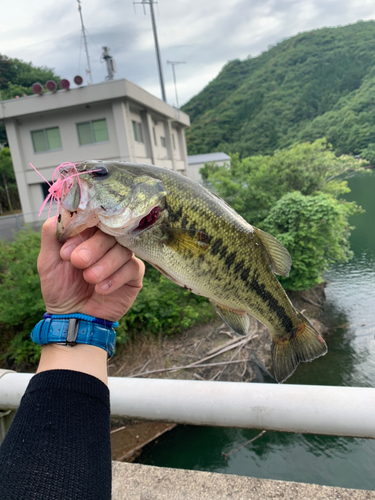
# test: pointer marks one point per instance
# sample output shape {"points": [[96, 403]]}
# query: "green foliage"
{"points": [[17, 77], [8, 181], [316, 84], [21, 302], [294, 195], [315, 230], [253, 185], [163, 307]]}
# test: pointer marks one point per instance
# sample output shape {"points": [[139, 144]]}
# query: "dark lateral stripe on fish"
{"points": [[216, 245], [229, 261], [239, 266], [223, 252], [176, 215], [273, 304]]}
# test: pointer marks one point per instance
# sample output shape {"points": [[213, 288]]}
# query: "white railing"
{"points": [[336, 411]]}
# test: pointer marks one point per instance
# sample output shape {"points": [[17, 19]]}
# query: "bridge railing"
{"points": [[334, 411]]}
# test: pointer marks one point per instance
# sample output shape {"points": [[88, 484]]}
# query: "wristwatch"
{"points": [[72, 329]]}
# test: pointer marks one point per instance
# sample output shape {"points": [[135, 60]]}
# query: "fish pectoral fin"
{"points": [[278, 255], [239, 321], [185, 239]]}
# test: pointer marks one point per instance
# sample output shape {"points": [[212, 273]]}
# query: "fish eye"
{"points": [[100, 171]]}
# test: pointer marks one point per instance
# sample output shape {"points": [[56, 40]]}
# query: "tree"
{"points": [[9, 197], [259, 189]]}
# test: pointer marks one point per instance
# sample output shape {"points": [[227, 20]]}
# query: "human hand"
{"points": [[90, 274]]}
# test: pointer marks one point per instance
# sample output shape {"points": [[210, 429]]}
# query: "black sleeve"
{"points": [[58, 446]]}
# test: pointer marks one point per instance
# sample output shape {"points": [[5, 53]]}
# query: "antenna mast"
{"points": [[157, 50], [173, 64], [111, 65], [88, 70]]}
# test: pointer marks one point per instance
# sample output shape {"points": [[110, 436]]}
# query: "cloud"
{"points": [[204, 34]]}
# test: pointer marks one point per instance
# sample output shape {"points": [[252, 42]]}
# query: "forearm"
{"points": [[58, 445]]}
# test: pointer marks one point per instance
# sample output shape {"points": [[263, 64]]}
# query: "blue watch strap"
{"points": [[71, 331]]}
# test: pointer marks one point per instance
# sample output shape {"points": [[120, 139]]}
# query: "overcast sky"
{"points": [[203, 33]]}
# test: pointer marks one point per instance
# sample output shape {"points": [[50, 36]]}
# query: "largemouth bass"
{"points": [[198, 241]]}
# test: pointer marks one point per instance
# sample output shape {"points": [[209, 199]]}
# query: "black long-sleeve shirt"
{"points": [[58, 446]]}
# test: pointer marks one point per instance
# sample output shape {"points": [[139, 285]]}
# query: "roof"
{"points": [[89, 94], [207, 158]]}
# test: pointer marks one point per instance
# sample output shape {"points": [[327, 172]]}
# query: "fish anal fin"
{"points": [[185, 239], [239, 321], [302, 345], [278, 255]]}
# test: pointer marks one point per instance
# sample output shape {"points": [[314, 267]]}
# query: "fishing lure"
{"points": [[61, 184]]}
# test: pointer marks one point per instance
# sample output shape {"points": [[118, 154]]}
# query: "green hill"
{"points": [[318, 83]]}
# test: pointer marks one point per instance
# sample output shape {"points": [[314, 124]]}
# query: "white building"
{"points": [[115, 120], [196, 162]]}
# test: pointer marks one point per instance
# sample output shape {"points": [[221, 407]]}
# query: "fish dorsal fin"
{"points": [[238, 321], [279, 256], [182, 240]]}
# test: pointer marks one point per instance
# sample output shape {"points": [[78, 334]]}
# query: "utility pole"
{"points": [[88, 70], [173, 64], [157, 50]]}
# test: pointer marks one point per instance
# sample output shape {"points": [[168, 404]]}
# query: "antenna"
{"points": [[88, 71], [173, 64], [161, 78], [111, 65]]}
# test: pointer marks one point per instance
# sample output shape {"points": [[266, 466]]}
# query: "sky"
{"points": [[205, 34]]}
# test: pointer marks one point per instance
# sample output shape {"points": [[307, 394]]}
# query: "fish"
{"points": [[198, 241]]}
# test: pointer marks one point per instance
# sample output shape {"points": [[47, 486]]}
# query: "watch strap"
{"points": [[72, 331]]}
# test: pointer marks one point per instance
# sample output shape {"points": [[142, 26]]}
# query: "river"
{"points": [[332, 461]]}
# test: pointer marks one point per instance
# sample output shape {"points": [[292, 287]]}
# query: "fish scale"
{"points": [[202, 244]]}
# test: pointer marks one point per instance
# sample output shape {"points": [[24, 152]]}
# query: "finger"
{"points": [[130, 274], [113, 260], [73, 243], [92, 250], [50, 246]]}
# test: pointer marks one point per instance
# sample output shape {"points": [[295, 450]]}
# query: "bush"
{"points": [[21, 302], [315, 230], [161, 306]]}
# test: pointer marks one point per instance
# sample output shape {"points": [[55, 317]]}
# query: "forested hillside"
{"points": [[316, 84]]}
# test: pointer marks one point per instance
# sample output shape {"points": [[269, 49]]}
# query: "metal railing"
{"points": [[334, 411]]}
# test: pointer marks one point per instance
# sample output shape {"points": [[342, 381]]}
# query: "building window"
{"points": [[163, 143], [47, 139], [154, 132], [173, 142], [137, 131], [92, 132]]}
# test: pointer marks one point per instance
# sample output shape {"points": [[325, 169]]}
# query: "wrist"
{"points": [[83, 358]]}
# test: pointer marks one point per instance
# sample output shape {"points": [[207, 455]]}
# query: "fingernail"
{"points": [[98, 271], [85, 255], [67, 251], [105, 285]]}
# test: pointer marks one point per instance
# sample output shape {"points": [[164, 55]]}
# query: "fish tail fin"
{"points": [[302, 345]]}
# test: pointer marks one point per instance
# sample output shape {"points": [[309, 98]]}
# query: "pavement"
{"points": [[143, 482]]}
